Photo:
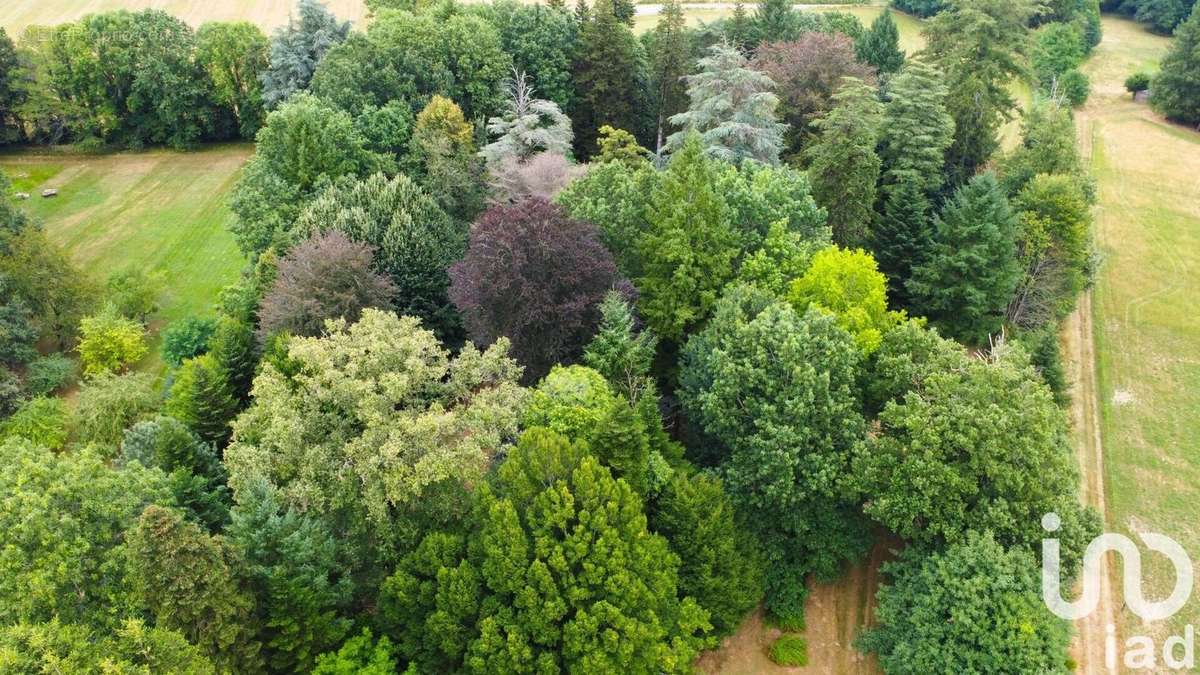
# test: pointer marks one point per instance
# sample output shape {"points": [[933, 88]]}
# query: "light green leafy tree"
{"points": [[109, 342], [374, 413], [848, 285], [73, 568]]}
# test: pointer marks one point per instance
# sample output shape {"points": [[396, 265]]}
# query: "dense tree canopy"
{"points": [[414, 241], [376, 413], [775, 394], [1177, 86], [973, 608]]}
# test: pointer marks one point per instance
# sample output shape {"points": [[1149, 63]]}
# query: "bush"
{"points": [[47, 374], [41, 421], [186, 338], [108, 404], [110, 342], [1139, 81], [1075, 87], [789, 651]]}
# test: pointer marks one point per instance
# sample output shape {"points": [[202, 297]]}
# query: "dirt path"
{"points": [[835, 612], [1079, 351]]}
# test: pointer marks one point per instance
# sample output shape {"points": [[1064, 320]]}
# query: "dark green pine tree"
{"points": [[670, 60], [738, 29], [774, 21], [972, 271], [622, 443], [902, 234], [610, 74], [880, 45], [843, 165], [1176, 90], [233, 347], [201, 398]]}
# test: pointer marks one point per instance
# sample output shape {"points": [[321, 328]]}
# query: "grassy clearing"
{"points": [[16, 15], [160, 211], [1146, 330]]}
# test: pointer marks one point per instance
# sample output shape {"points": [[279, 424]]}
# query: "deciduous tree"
{"points": [[1176, 89], [536, 276]]}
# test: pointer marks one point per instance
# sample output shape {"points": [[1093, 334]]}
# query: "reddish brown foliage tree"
{"points": [[326, 277], [806, 73], [535, 275]]}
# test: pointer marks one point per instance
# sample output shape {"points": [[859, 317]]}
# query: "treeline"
{"points": [[505, 390], [1161, 16]]}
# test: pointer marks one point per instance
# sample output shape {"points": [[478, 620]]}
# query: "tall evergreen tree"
{"points": [[733, 108], [202, 399], [843, 165], [774, 21], [980, 46], [610, 74], [969, 277], [186, 579], [1176, 90], [297, 49], [902, 233], [917, 128], [739, 29], [880, 45], [690, 246], [670, 60]]}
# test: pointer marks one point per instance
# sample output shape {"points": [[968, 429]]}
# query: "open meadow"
{"points": [[160, 211], [1146, 329]]}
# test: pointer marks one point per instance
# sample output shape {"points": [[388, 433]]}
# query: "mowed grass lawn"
{"points": [[159, 211], [1147, 329], [16, 15]]}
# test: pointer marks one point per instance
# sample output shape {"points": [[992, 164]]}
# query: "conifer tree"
{"points": [[775, 21], [969, 277], [1176, 90], [917, 128], [733, 108], [202, 399], [690, 246], [902, 233], [980, 46], [186, 579], [843, 165], [739, 29], [610, 76], [528, 126], [880, 45], [234, 350], [670, 60]]}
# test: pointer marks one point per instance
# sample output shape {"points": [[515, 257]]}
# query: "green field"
{"points": [[1147, 332], [16, 15], [159, 211]]}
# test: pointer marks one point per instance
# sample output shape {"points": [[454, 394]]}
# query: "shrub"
{"points": [[1075, 87], [47, 374], [1139, 81], [110, 342], [41, 421], [109, 403], [186, 338], [789, 651]]}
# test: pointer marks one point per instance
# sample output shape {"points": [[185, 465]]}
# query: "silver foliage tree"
{"points": [[733, 108]]}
